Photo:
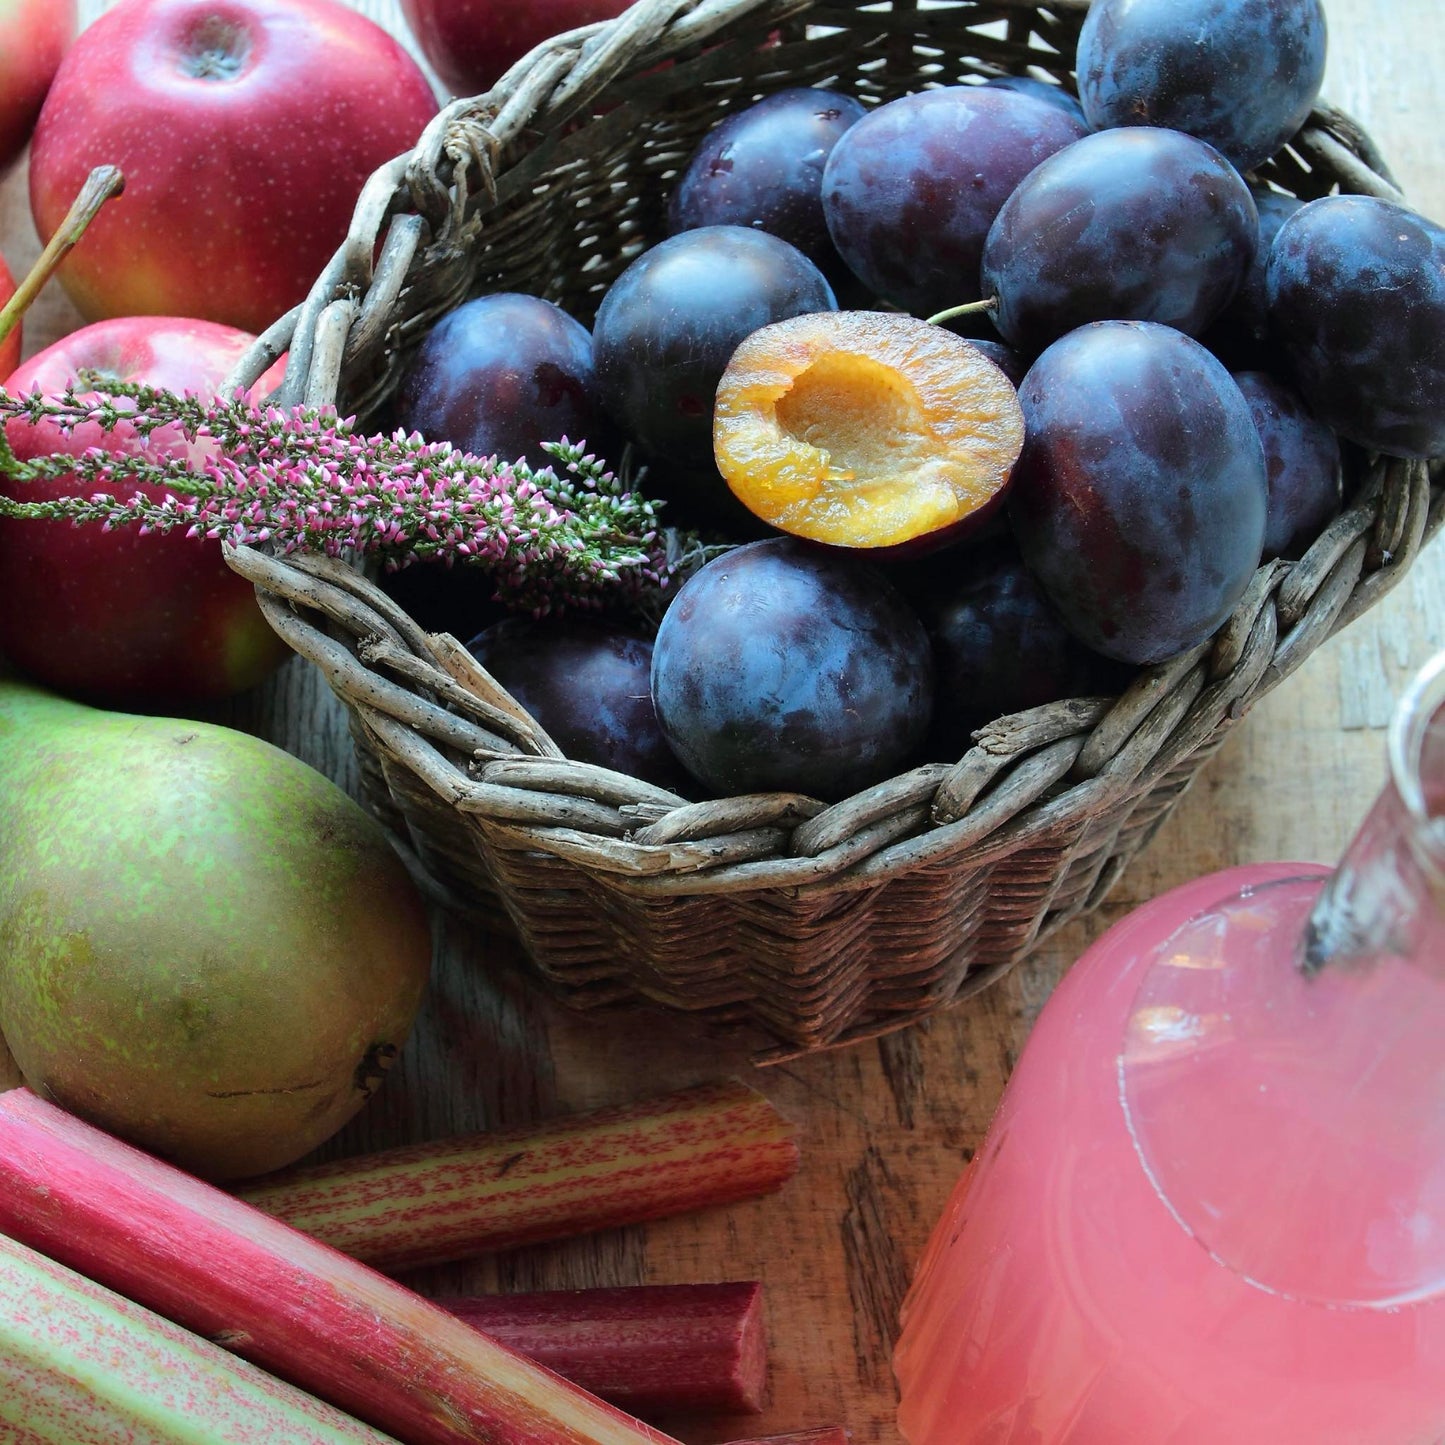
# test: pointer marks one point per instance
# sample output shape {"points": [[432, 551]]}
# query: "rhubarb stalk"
{"points": [[78, 1362], [653, 1349], [449, 1200], [284, 1301]]}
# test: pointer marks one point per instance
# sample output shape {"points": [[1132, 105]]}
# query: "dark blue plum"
{"points": [[1004, 357], [440, 598], [1240, 334], [999, 646], [700, 500], [1302, 461], [1132, 225], [1356, 292], [910, 191], [1139, 500], [587, 682], [499, 376], [1250, 307], [669, 324], [763, 167], [1044, 90], [784, 667], [1240, 74]]}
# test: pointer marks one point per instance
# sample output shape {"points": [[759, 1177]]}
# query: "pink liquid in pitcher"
{"points": [[1211, 1208]]}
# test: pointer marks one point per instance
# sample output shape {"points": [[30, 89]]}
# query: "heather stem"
{"points": [[101, 185], [573, 535]]}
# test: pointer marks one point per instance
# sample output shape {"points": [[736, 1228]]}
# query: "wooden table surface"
{"points": [[885, 1127]]}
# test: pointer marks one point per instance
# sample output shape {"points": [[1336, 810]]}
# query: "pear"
{"points": [[206, 947]]}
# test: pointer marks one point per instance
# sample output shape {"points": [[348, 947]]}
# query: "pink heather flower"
{"points": [[569, 535]]}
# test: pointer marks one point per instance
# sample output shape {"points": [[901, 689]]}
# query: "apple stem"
{"points": [[100, 185], [971, 308]]}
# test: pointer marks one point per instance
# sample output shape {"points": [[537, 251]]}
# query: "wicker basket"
{"points": [[818, 925]]}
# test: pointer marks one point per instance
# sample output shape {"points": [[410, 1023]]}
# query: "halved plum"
{"points": [[866, 429]]}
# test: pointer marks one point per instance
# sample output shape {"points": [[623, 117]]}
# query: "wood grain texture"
{"points": [[885, 1127]]}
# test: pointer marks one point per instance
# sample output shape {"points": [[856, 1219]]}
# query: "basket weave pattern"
{"points": [[819, 925]]}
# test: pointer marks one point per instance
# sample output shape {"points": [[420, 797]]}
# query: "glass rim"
{"points": [[1422, 701]]}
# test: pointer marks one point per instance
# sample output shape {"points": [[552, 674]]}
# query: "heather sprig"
{"points": [[568, 535]]}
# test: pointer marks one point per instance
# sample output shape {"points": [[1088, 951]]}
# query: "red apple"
{"points": [[469, 43], [33, 37], [115, 617], [245, 130], [10, 347]]}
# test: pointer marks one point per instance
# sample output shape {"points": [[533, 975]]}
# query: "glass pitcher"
{"points": [[1211, 1207]]}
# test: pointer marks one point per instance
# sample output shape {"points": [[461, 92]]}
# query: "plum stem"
{"points": [[970, 308], [100, 185]]}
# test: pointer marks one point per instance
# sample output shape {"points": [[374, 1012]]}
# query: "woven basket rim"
{"points": [[437, 713], [571, 71], [433, 707]]}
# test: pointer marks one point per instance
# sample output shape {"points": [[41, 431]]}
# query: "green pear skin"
{"points": [[206, 947]]}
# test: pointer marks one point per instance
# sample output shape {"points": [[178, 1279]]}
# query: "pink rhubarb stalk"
{"points": [[276, 1297], [653, 1349], [80, 1363], [449, 1200]]}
